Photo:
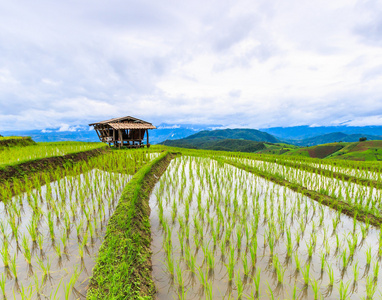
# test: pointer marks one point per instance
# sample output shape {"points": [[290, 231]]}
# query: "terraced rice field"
{"points": [[52, 225], [220, 232], [215, 225], [42, 150]]}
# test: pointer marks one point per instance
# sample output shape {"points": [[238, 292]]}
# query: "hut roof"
{"points": [[126, 123]]}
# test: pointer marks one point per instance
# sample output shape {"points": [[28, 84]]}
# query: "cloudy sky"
{"points": [[236, 63]]}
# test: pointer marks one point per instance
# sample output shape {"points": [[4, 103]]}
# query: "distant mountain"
{"points": [[243, 140], [86, 134], [54, 135], [304, 132], [217, 144], [177, 131], [298, 135], [244, 134], [332, 138]]}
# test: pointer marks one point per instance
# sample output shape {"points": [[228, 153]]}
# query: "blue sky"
{"points": [[236, 63]]}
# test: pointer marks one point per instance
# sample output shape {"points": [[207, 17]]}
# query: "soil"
{"points": [[323, 151]]}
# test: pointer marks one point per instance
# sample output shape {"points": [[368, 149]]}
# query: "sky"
{"points": [[253, 64]]}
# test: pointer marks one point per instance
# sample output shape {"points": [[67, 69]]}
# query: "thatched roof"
{"points": [[126, 123]]}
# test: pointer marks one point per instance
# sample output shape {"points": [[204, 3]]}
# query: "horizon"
{"points": [[211, 127]]}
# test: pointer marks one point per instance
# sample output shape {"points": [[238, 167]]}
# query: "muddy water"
{"points": [[226, 202], [79, 208]]}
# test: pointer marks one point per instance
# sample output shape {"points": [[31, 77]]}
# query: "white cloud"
{"points": [[243, 63], [168, 126], [67, 127]]}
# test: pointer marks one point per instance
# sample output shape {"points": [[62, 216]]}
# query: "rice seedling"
{"points": [[27, 254], [13, 268], [246, 269], [230, 268], [343, 290], [239, 285], [203, 278], [371, 288], [376, 271], [2, 285], [270, 291], [297, 262], [256, 281], [170, 264], [316, 288], [306, 273], [5, 254], [210, 261]]}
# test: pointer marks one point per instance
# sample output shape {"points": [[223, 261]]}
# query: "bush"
{"points": [[362, 139]]}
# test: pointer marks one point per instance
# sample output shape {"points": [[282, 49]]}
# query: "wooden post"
{"points": [[147, 136], [120, 138], [96, 130], [114, 137]]}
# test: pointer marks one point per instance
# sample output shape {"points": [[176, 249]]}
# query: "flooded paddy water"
{"points": [[368, 197], [50, 237], [222, 233]]}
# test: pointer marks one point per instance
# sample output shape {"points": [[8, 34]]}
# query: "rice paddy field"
{"points": [[210, 225], [53, 223], [14, 155]]}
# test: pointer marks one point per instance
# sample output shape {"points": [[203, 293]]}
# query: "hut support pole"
{"points": [[147, 136], [98, 134]]}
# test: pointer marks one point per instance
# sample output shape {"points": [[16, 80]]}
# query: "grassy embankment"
{"points": [[123, 269], [15, 141], [4, 138], [21, 161], [20, 154]]}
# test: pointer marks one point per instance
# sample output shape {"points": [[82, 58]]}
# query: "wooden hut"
{"points": [[124, 132]]}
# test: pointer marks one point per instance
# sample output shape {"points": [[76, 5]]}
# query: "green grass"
{"points": [[320, 151], [279, 148], [15, 141], [361, 151], [123, 270], [16, 155], [4, 138]]}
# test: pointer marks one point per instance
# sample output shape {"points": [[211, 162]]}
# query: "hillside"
{"points": [[218, 144], [364, 151], [245, 134], [305, 131], [241, 140]]}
